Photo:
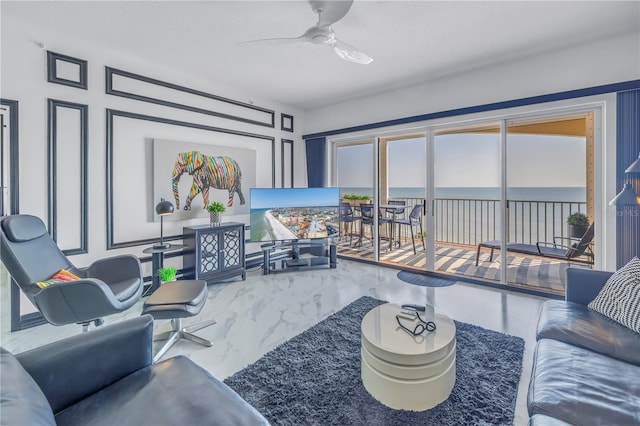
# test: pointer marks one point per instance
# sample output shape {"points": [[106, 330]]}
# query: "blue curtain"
{"points": [[316, 162], [627, 149]]}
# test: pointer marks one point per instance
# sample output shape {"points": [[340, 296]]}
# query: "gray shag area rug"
{"points": [[423, 280], [314, 378]]}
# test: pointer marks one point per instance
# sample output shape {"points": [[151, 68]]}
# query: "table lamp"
{"points": [[163, 208]]}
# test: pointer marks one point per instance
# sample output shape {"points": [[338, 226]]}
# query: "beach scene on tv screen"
{"points": [[294, 213]]}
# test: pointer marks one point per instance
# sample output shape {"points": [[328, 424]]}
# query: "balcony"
{"points": [[461, 224]]}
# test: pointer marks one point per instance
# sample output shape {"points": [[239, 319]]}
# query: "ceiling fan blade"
{"points": [[332, 10], [271, 41], [350, 53]]}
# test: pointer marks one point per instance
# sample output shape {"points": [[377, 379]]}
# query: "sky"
{"points": [[264, 198], [472, 160]]}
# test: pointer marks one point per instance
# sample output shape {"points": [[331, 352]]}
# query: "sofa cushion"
{"points": [[21, 400], [583, 387], [542, 420], [619, 299], [172, 392], [574, 323]]}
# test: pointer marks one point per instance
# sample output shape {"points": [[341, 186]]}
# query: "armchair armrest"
{"points": [[576, 252], [114, 269], [73, 368], [583, 285], [568, 239], [77, 301]]}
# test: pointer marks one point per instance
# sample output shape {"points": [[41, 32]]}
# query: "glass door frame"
{"points": [[505, 118], [374, 142]]}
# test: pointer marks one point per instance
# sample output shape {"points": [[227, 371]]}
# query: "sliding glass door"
{"points": [[548, 169], [402, 188], [495, 200], [354, 174], [467, 206]]}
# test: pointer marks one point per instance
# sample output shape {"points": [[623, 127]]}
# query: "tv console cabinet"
{"points": [[214, 253], [298, 255]]}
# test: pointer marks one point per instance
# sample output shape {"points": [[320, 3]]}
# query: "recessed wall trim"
{"points": [[110, 115], [14, 163], [81, 81], [18, 321], [286, 122], [283, 161], [52, 165], [267, 116]]}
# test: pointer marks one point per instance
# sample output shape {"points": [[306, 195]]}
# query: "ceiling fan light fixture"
{"points": [[351, 55], [329, 12]]}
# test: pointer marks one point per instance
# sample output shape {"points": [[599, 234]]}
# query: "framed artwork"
{"points": [[66, 70], [192, 175]]}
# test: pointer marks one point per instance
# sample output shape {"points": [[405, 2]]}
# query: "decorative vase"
{"points": [[214, 218]]}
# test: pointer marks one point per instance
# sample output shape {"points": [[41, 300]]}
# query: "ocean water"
{"points": [[472, 215], [568, 194]]}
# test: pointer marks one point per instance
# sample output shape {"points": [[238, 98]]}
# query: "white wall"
{"points": [[24, 78], [604, 62]]}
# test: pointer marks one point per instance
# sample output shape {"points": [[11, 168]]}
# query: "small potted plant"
{"points": [[166, 274], [215, 210], [578, 224], [355, 199]]}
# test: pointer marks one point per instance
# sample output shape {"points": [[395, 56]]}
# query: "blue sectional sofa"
{"points": [[105, 377], [586, 368]]}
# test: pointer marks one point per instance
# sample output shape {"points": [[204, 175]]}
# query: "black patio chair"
{"points": [[348, 217], [577, 250], [414, 219], [395, 214], [368, 219]]}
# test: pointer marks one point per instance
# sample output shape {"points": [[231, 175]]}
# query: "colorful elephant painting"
{"points": [[207, 171]]}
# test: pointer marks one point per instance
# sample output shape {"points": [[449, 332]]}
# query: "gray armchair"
{"points": [[30, 255]]}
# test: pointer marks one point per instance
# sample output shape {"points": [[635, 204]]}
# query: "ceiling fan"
{"points": [[329, 12]]}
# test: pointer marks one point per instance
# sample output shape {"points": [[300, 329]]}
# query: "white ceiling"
{"points": [[410, 41]]}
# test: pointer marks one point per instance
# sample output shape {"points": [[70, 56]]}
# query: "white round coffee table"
{"points": [[404, 371]]}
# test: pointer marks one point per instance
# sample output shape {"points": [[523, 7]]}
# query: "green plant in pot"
{"points": [[355, 199], [168, 273], [215, 210], [578, 224]]}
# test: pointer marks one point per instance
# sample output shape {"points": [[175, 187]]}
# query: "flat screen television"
{"points": [[284, 214]]}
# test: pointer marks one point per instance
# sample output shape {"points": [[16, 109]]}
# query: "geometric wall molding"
{"points": [[67, 191], [146, 89], [66, 70], [111, 130], [286, 162], [286, 122]]}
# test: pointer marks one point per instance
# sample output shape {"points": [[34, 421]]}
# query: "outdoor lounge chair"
{"points": [[576, 250]]}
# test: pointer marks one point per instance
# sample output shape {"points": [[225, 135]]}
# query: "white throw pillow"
{"points": [[619, 299]]}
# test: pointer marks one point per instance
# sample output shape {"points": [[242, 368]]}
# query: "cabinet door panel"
{"points": [[232, 249], [209, 244]]}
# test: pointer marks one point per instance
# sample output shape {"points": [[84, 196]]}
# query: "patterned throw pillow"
{"points": [[59, 277], [619, 299]]}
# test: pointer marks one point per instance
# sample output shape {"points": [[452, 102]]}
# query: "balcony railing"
{"points": [[471, 221]]}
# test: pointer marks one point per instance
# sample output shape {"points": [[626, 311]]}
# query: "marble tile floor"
{"points": [[256, 315]]}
